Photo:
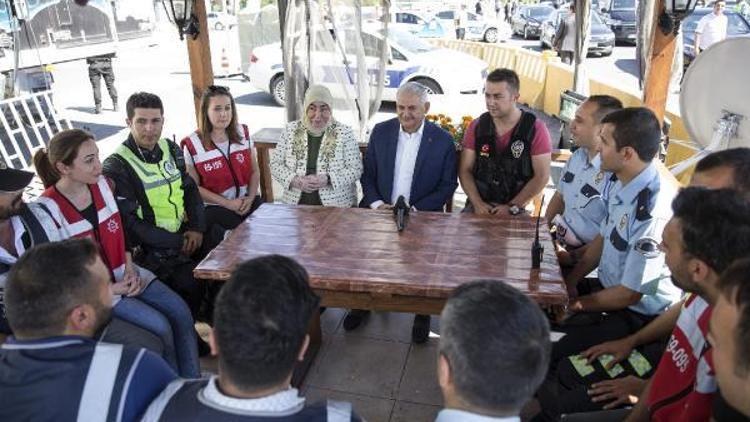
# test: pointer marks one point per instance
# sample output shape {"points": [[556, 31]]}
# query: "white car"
{"points": [[441, 70], [477, 28]]}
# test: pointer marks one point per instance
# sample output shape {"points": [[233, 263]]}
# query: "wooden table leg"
{"points": [[315, 333], [264, 167]]}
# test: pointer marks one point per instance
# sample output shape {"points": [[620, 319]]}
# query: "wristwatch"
{"points": [[514, 209]]}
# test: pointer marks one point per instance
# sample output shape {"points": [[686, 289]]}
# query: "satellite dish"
{"points": [[714, 99]]}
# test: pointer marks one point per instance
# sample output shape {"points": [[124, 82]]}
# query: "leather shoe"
{"points": [[354, 318], [421, 329]]}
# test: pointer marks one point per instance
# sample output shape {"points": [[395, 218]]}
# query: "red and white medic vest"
{"points": [[224, 174], [109, 234]]}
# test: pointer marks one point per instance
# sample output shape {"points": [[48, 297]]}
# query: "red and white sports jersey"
{"points": [[108, 235], [225, 174], [683, 386]]}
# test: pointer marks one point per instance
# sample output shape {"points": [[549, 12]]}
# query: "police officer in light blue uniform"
{"points": [[577, 208], [634, 282]]}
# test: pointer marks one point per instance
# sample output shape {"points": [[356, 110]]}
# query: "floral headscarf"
{"points": [[316, 93]]}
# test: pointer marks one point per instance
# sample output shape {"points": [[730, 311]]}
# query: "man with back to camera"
{"points": [[259, 335], [24, 225], [506, 155], [493, 354], [577, 208], [411, 157], [633, 285], [52, 369]]}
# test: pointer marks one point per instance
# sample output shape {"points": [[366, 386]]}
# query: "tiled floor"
{"points": [[377, 368]]}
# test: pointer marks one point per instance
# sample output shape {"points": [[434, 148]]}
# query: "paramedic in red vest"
{"points": [[220, 157], [161, 207], [506, 154], [83, 205]]}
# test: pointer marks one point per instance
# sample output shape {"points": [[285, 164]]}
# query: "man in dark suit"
{"points": [[410, 157]]}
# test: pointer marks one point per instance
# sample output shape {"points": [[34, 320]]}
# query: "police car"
{"points": [[440, 70]]}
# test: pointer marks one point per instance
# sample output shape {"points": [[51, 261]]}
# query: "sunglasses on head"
{"points": [[218, 88]]}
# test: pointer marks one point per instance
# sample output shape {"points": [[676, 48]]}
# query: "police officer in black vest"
{"points": [[506, 157]]}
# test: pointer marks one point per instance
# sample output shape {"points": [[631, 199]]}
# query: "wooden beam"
{"points": [[656, 88], [199, 54]]}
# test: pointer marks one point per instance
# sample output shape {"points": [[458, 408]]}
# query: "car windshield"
{"points": [[408, 41], [623, 4], [539, 13], [735, 25], [595, 19]]}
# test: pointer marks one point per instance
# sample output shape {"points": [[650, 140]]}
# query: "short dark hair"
{"points": [[496, 341], [508, 76], [638, 128], [715, 225], [46, 283], [260, 321], [143, 100], [734, 285], [737, 159], [605, 104]]}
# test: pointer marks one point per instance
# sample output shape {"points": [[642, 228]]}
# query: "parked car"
{"points": [[419, 25], [528, 20], [441, 70], [221, 21], [737, 26], [602, 41], [477, 28], [622, 19]]}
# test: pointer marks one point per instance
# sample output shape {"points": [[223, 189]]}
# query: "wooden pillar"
{"points": [[656, 88], [199, 54]]}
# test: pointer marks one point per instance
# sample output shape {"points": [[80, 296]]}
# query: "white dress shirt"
{"points": [[713, 28], [455, 415], [403, 170]]}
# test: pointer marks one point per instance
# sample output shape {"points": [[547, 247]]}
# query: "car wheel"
{"points": [[219, 26], [490, 35], [278, 89], [432, 86]]}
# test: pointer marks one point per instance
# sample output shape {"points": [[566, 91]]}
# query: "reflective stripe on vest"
{"points": [[100, 382], [162, 183], [213, 165], [109, 235]]}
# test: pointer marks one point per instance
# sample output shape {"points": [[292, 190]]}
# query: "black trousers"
{"points": [[460, 33], [102, 69], [176, 271], [227, 219], [565, 390]]}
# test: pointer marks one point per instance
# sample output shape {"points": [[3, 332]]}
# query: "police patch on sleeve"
{"points": [[648, 247]]}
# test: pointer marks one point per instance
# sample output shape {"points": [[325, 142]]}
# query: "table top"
{"points": [[360, 250]]}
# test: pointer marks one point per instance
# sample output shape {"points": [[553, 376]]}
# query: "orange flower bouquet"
{"points": [[457, 130]]}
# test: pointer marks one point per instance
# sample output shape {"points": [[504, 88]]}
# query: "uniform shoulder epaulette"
{"points": [[642, 211]]}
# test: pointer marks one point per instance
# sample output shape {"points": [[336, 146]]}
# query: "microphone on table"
{"points": [[537, 250], [400, 213]]}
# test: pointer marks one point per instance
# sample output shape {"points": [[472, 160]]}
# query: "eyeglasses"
{"points": [[218, 88]]}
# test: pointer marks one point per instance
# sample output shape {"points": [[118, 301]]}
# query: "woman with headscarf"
{"points": [[317, 159]]}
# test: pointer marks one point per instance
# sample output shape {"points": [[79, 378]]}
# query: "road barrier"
{"points": [[544, 78], [26, 124]]}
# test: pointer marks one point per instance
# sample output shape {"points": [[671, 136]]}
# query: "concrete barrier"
{"points": [[543, 80]]}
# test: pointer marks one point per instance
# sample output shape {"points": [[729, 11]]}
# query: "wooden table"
{"points": [[357, 259]]}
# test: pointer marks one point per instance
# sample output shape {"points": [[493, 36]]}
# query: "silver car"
{"points": [[477, 28]]}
